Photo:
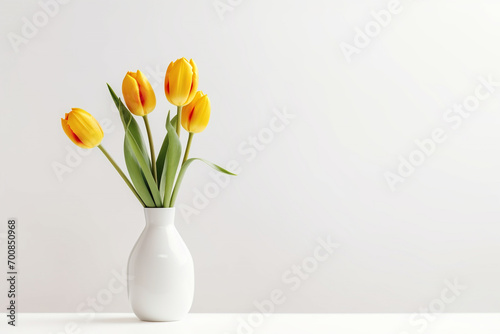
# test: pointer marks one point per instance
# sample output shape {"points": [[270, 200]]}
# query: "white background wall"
{"points": [[323, 175]]}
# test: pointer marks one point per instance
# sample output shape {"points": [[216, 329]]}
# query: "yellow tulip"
{"points": [[82, 128], [195, 116], [181, 82], [138, 94]]}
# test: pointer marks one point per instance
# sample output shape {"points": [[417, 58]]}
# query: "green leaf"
{"points": [[129, 121], [171, 162], [160, 163], [173, 121], [146, 168], [183, 171], [162, 155], [134, 168], [136, 175]]}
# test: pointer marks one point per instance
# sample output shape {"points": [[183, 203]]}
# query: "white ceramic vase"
{"points": [[160, 270]]}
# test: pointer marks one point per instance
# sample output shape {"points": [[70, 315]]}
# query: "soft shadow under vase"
{"points": [[160, 270]]}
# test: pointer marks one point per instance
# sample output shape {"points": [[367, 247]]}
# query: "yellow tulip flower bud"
{"points": [[195, 116], [82, 128], [181, 82], [138, 94]]}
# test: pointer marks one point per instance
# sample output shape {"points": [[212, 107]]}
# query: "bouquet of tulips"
{"points": [[155, 179]]}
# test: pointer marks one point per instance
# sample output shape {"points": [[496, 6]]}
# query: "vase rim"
{"points": [[153, 208], [159, 216]]}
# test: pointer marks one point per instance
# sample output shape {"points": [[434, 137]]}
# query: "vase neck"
{"points": [[159, 217]]}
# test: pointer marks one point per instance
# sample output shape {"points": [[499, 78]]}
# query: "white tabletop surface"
{"points": [[124, 323]]}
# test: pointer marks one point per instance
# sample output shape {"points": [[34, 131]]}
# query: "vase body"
{"points": [[160, 270]]}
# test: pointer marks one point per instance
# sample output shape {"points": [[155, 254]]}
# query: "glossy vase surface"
{"points": [[160, 270]]}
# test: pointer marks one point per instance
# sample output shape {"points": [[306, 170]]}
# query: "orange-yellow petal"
{"points": [[195, 115], [181, 82], [131, 94], [71, 135], [201, 115], [85, 127], [146, 92], [194, 82]]}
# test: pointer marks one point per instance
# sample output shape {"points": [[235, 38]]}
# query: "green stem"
{"points": [[178, 126], [188, 146], [151, 147], [124, 177]]}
